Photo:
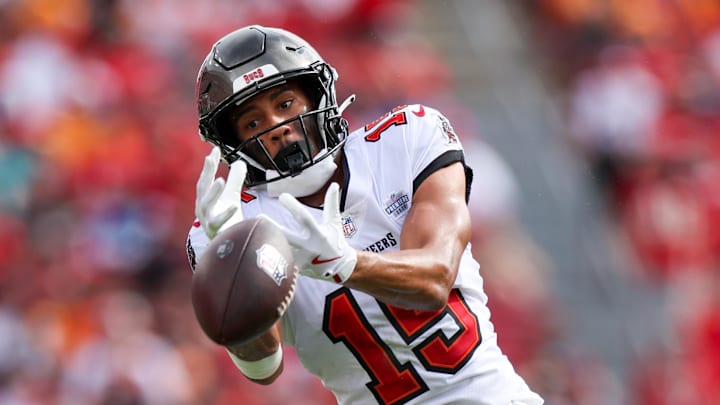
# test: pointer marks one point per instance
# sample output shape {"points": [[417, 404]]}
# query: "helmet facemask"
{"points": [[322, 129], [251, 60], [295, 157]]}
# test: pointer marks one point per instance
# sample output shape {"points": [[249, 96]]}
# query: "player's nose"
{"points": [[285, 134]]}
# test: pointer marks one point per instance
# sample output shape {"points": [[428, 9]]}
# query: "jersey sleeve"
{"points": [[197, 243], [432, 143]]}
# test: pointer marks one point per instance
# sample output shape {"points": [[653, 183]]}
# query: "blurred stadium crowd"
{"points": [[99, 158], [641, 83]]}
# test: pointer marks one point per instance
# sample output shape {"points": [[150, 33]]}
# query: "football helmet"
{"points": [[251, 60]]}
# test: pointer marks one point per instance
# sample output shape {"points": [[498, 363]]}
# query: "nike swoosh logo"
{"points": [[420, 112], [317, 260]]}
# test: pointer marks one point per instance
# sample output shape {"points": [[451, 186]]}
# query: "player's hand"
{"points": [[321, 251], [217, 204]]}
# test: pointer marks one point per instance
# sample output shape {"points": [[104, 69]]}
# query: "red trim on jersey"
{"points": [[246, 197], [387, 114], [398, 118]]}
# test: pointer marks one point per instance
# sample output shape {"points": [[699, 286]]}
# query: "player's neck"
{"points": [[317, 198]]}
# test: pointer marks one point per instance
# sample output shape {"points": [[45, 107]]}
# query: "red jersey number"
{"points": [[398, 118], [392, 382]]}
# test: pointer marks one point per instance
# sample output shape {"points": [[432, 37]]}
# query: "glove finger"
{"points": [[298, 211], [236, 177], [210, 166], [272, 221], [209, 200], [218, 220], [211, 233], [235, 180], [310, 273], [293, 238], [331, 210]]}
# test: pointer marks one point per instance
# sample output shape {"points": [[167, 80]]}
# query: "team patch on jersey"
{"points": [[448, 131], [348, 226], [397, 204]]}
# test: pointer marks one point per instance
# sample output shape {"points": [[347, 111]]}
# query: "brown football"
{"points": [[243, 282]]}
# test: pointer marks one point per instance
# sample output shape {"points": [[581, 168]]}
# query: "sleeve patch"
{"points": [[450, 135]]}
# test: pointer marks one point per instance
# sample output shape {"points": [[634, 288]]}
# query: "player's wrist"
{"points": [[258, 369], [346, 267]]}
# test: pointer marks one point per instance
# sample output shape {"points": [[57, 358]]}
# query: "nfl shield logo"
{"points": [[271, 261], [348, 227]]}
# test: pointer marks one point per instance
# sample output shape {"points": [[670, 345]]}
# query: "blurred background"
{"points": [[591, 126]]}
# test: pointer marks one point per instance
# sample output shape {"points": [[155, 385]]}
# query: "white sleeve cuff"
{"points": [[259, 369]]}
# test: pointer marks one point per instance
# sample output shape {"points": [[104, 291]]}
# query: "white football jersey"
{"points": [[363, 350]]}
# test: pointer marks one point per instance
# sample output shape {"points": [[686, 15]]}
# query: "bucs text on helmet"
{"points": [[253, 59]]}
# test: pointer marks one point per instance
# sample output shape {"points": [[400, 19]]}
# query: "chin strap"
{"points": [[307, 182]]}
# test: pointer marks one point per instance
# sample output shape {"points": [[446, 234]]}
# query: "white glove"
{"points": [[217, 204], [321, 251]]}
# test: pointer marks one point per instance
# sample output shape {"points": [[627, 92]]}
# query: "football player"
{"points": [[391, 309]]}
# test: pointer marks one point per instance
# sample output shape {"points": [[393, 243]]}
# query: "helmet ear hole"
{"points": [[333, 127], [226, 129], [313, 90]]}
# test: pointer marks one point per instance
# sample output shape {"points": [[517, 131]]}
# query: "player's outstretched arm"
{"points": [[436, 231], [261, 359]]}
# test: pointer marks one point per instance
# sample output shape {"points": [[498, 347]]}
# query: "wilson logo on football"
{"points": [[225, 249]]}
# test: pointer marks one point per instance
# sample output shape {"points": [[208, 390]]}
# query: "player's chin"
{"points": [[269, 380]]}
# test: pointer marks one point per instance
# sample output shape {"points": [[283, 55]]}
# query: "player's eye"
{"points": [[252, 124], [286, 104]]}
